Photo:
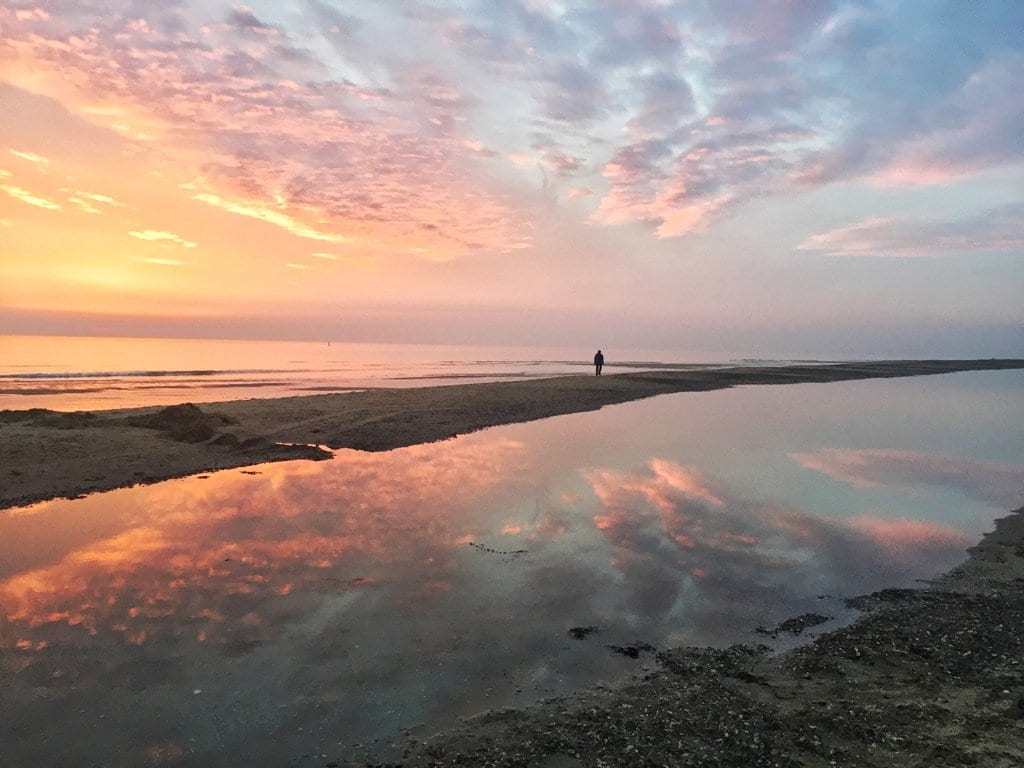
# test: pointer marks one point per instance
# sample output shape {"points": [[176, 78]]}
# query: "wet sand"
{"points": [[46, 454], [926, 677]]}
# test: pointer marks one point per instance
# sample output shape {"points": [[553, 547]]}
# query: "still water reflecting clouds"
{"points": [[993, 482], [296, 609]]}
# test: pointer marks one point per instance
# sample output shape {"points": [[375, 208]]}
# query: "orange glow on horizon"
{"points": [[186, 230]]}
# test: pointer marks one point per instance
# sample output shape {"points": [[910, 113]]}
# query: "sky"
{"points": [[798, 176]]}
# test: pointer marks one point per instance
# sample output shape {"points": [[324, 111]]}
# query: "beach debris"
{"points": [[510, 554], [581, 632], [270, 450]]}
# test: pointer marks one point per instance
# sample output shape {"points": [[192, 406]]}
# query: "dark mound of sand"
{"points": [[185, 423]]}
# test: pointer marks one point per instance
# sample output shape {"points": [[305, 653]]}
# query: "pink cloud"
{"points": [[325, 156], [680, 221], [688, 111], [679, 189], [1000, 229]]}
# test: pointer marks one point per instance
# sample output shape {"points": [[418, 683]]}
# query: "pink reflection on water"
{"points": [[672, 520], [199, 549], [994, 482], [902, 536]]}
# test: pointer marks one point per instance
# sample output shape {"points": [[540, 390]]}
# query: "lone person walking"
{"points": [[598, 362]]}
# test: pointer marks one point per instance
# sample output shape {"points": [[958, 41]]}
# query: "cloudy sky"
{"points": [[738, 175]]}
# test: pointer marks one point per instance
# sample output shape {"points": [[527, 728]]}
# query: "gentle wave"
{"points": [[141, 374], [368, 367], [363, 367]]}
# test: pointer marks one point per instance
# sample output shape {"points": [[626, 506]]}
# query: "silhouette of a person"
{"points": [[598, 362]]}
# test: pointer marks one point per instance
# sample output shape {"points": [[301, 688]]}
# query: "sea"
{"points": [[90, 373]]}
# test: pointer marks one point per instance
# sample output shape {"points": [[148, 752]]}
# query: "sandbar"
{"points": [[47, 454]]}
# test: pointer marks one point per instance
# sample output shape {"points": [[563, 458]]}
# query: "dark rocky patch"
{"points": [[884, 596], [633, 650], [794, 626]]}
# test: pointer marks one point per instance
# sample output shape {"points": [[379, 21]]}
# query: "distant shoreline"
{"points": [[46, 454]]}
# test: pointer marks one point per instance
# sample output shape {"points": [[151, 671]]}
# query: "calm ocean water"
{"points": [[70, 373]]}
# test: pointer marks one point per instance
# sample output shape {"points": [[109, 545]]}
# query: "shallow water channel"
{"points": [[298, 613]]}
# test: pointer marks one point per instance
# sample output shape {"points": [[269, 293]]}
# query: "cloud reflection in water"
{"points": [[283, 530], [341, 597], [695, 557], [993, 482]]}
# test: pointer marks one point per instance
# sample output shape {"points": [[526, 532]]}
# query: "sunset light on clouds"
{"points": [[840, 176]]}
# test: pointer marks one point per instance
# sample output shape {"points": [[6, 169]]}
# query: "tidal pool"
{"points": [[298, 613]]}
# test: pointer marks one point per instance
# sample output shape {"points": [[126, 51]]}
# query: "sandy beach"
{"points": [[46, 454]]}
